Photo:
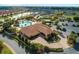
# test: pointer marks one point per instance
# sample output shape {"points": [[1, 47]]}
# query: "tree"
{"points": [[71, 39], [52, 38], [76, 19], [69, 19], [1, 46], [36, 48], [56, 22]]}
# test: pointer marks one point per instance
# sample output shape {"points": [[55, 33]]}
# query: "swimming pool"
{"points": [[25, 23]]}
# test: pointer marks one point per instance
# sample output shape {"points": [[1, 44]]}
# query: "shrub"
{"points": [[66, 24], [77, 25], [58, 27], [63, 24], [74, 25], [78, 34], [73, 32], [46, 49], [69, 19], [56, 50], [56, 22], [64, 29]]}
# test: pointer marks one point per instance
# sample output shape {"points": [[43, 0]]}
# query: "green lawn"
{"points": [[6, 50]]}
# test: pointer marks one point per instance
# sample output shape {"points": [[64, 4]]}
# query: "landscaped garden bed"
{"points": [[4, 49], [71, 39], [56, 50]]}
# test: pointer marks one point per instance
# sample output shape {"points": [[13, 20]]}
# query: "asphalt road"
{"points": [[13, 45]]}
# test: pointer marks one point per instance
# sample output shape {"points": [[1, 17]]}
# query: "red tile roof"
{"points": [[36, 29], [2, 12]]}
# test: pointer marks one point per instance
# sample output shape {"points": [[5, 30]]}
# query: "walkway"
{"points": [[45, 43], [61, 44], [13, 45]]}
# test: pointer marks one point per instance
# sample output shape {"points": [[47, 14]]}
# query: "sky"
{"points": [[74, 3], [58, 5]]}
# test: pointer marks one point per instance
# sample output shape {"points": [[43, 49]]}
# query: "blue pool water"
{"points": [[25, 23]]}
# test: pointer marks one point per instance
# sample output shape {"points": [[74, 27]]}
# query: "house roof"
{"points": [[36, 29], [2, 12]]}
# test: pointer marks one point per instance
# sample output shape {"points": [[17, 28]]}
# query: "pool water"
{"points": [[25, 23]]}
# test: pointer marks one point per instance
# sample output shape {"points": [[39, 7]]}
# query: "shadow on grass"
{"points": [[76, 47]]}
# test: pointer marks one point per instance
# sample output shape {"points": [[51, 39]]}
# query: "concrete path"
{"points": [[45, 43], [13, 45]]}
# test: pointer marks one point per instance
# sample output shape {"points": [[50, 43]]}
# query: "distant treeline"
{"points": [[39, 8]]}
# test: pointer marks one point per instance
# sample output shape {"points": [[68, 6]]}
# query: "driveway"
{"points": [[13, 45]]}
